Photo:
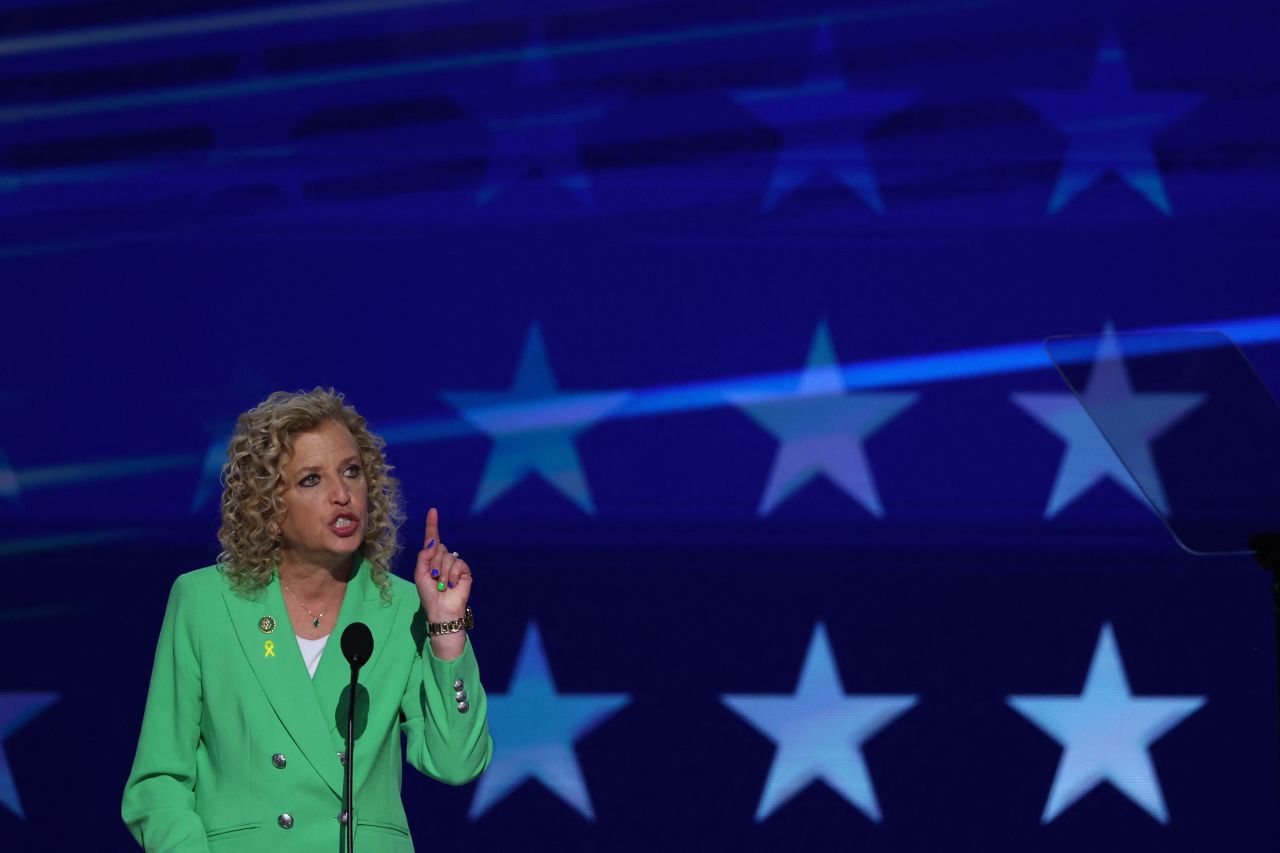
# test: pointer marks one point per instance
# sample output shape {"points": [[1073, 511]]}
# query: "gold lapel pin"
{"points": [[267, 624]]}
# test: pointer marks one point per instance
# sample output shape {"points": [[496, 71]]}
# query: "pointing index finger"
{"points": [[433, 528]]}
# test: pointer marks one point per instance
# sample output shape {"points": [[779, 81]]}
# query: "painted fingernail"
{"points": [[431, 543], [450, 584], [435, 573], [440, 586]]}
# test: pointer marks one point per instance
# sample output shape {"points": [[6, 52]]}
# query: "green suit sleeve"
{"points": [[440, 741], [159, 798]]}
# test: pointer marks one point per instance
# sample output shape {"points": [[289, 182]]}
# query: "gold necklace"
{"points": [[315, 619]]}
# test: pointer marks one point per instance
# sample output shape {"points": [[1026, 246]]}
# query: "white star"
{"points": [[819, 731], [16, 710], [535, 729], [1111, 412], [822, 122], [538, 128], [1111, 126], [1105, 733], [820, 428], [533, 427]]}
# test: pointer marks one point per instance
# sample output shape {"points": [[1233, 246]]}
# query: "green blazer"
{"points": [[236, 735]]}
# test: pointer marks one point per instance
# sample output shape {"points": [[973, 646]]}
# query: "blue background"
{"points": [[200, 205]]}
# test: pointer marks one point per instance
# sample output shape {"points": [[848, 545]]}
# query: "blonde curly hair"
{"points": [[252, 482]]}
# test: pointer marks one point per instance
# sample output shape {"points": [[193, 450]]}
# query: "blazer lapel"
{"points": [[277, 663], [363, 603]]}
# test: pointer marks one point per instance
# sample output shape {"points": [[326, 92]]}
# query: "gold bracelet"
{"points": [[468, 621]]}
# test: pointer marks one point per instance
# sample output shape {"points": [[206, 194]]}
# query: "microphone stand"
{"points": [[348, 817], [357, 648]]}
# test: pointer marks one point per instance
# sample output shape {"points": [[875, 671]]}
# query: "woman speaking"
{"points": [[243, 738]]}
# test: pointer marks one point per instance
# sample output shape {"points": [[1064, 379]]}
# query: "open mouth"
{"points": [[345, 525]]}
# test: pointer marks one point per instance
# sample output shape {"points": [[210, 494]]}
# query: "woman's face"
{"points": [[325, 498]]}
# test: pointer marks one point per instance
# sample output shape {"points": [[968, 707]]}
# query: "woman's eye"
{"points": [[309, 480], [354, 471]]}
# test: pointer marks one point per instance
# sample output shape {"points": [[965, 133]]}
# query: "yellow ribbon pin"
{"points": [[270, 648]]}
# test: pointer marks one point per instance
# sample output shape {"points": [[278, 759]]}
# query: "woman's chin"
{"points": [[347, 547]]}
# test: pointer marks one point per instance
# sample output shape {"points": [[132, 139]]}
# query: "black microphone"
{"points": [[357, 648], [357, 645]]}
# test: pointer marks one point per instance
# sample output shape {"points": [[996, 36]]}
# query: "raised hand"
{"points": [[436, 568], [444, 585]]}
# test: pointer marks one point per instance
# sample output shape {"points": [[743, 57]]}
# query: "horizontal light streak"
{"points": [[361, 74], [57, 475], [881, 373], [65, 541], [198, 25], [908, 371]]}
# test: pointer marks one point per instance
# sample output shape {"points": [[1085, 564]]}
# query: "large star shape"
{"points": [[1110, 128], [1111, 411], [533, 427], [536, 728], [820, 427], [16, 710], [1105, 733], [822, 122], [538, 129], [819, 731]]}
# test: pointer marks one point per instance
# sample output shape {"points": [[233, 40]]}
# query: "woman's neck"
{"points": [[313, 578]]}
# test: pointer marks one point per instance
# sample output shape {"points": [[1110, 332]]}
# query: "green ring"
{"points": [[440, 586]]}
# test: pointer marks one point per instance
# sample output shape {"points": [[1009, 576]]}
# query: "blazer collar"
{"points": [[363, 603], [308, 708]]}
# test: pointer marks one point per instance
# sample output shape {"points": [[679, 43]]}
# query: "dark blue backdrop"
{"points": [[714, 331]]}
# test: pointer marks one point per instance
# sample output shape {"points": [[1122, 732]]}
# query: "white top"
{"points": [[311, 651]]}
